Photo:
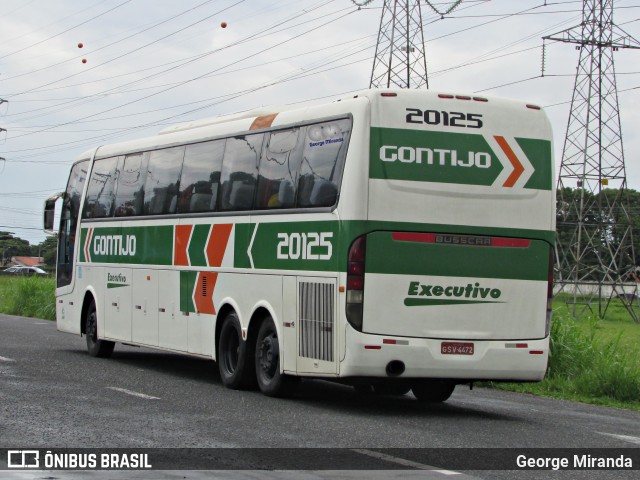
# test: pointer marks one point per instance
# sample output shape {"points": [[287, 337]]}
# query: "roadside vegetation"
{"points": [[591, 360], [28, 296]]}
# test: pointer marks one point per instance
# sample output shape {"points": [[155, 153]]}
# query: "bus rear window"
{"points": [[324, 151]]}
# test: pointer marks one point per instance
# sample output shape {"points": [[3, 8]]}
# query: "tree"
{"points": [[11, 246], [48, 250], [604, 228]]}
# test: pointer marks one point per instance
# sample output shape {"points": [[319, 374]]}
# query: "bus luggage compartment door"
{"points": [[454, 286], [118, 303]]}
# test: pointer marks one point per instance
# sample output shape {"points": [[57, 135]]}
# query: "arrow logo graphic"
{"points": [[87, 244], [514, 157]]}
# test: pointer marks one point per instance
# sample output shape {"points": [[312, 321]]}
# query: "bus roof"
{"points": [[213, 127]]}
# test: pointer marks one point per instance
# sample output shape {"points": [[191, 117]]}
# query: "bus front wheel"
{"points": [[234, 356], [271, 381], [433, 391], [95, 346]]}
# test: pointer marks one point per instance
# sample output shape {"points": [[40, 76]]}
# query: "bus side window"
{"points": [[239, 172], [278, 173], [163, 178], [201, 177], [101, 189], [130, 190], [325, 147]]}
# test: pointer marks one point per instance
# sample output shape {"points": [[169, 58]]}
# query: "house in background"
{"points": [[27, 261]]}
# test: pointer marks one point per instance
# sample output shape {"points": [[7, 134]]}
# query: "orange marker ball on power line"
{"points": [[223, 24], [80, 45], [84, 60]]}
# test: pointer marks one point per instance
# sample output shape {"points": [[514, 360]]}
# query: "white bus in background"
{"points": [[392, 240]]}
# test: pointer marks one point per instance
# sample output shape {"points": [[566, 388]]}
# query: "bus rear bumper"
{"points": [[515, 360]]}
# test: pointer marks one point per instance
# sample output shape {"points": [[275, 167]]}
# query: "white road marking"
{"points": [[135, 394], [626, 438], [402, 461], [5, 359], [42, 323]]}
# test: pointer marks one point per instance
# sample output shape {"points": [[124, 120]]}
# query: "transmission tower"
{"points": [[400, 59], [594, 252], [2, 159]]}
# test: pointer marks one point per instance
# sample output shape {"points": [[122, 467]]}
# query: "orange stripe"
{"points": [[518, 169], [180, 244], [203, 293], [264, 121], [217, 244]]}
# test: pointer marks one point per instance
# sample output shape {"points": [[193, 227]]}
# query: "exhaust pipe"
{"points": [[395, 368]]}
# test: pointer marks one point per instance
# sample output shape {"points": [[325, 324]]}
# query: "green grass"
{"points": [[591, 360], [28, 296]]}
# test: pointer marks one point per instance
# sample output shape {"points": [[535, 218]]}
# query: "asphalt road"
{"points": [[54, 395]]}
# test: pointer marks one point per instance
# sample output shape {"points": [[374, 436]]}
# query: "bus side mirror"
{"points": [[49, 212]]}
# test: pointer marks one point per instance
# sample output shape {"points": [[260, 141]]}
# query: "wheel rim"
{"points": [[231, 353], [268, 355], [92, 328]]}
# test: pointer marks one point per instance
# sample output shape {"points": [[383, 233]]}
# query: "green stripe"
{"points": [[435, 162], [301, 246], [153, 245], [117, 285], [539, 154], [242, 234], [443, 157], [197, 245], [388, 256], [187, 282], [354, 228], [417, 302]]}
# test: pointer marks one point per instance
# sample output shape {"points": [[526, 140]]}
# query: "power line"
{"points": [[185, 82], [65, 31], [173, 17], [231, 96]]}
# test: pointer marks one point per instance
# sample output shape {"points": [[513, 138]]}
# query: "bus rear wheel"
{"points": [[234, 356], [271, 381], [95, 346], [432, 391]]}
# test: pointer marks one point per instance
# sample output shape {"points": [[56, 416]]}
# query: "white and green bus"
{"points": [[392, 240]]}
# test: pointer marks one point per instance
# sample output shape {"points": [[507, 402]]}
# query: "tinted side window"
{"points": [[130, 191], [201, 177], [279, 166], [239, 172], [325, 147], [101, 189], [162, 182]]}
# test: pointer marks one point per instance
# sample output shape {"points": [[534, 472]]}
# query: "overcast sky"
{"points": [[154, 63]]}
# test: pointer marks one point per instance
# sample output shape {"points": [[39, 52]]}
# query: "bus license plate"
{"points": [[456, 348]]}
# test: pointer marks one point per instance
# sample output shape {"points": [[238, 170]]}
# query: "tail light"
{"points": [[355, 282], [547, 326]]}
